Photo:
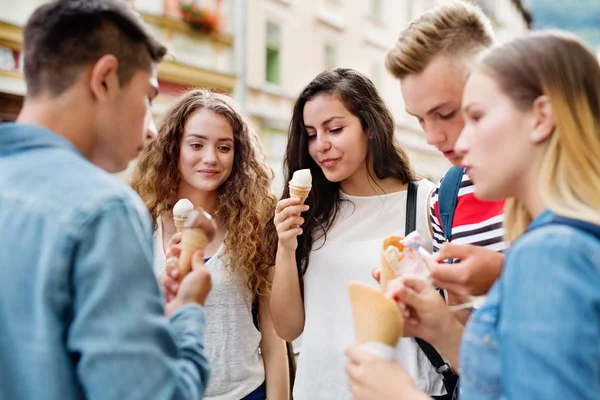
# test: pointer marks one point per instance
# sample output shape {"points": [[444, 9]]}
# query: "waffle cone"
{"points": [[387, 271], [191, 240], [179, 221], [299, 192], [376, 317]]}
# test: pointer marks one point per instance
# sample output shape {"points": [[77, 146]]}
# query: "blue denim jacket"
{"points": [[81, 314], [538, 334]]}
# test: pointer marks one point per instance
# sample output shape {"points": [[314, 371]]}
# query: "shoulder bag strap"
{"points": [[441, 366]]}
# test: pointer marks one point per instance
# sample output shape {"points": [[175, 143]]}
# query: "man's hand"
{"points": [[196, 285], [171, 276], [194, 288], [198, 218], [373, 378], [473, 275]]}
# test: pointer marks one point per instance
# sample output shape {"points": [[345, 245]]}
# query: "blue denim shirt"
{"points": [[81, 314], [538, 334]]}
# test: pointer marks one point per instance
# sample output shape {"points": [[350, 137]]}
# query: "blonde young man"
{"points": [[431, 60]]}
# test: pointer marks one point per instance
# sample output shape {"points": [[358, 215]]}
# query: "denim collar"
{"points": [[545, 218], [16, 136]]}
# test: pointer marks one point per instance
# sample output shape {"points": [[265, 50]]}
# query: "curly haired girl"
{"points": [[206, 152]]}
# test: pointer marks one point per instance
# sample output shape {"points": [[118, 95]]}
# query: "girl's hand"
{"points": [[371, 378], [288, 222], [425, 311]]}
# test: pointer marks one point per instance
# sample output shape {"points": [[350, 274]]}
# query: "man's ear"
{"points": [[543, 120], [104, 81]]}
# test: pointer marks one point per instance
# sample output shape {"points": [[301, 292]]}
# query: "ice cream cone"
{"points": [[299, 192], [376, 317], [179, 221], [180, 212], [191, 240], [387, 270]]}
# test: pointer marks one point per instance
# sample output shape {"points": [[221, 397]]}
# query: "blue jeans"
{"points": [[259, 394]]}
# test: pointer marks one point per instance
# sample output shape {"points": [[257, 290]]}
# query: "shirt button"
{"points": [[487, 339]]}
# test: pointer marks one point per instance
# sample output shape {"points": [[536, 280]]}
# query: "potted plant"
{"points": [[200, 19]]}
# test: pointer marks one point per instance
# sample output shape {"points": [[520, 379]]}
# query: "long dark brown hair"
{"points": [[245, 203], [385, 158]]}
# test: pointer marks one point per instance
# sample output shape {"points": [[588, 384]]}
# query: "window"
{"points": [[273, 53], [377, 9], [7, 59], [274, 142], [330, 56]]}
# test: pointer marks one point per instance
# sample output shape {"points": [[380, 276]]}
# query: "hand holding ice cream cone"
{"points": [[193, 288], [199, 229], [300, 186]]}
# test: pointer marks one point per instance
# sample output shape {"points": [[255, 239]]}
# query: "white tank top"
{"points": [[231, 339], [352, 249]]}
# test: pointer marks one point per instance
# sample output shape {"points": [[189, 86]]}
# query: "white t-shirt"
{"points": [[351, 251], [231, 340]]}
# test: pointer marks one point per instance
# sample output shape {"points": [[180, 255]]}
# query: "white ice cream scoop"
{"points": [[182, 208], [301, 177]]}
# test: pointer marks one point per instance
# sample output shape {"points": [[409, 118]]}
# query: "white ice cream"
{"points": [[182, 208], [302, 177], [392, 254], [410, 265]]}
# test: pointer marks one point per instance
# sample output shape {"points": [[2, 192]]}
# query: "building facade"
{"points": [[289, 42], [265, 52], [196, 59]]}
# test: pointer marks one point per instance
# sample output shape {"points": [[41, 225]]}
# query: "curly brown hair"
{"points": [[245, 203]]}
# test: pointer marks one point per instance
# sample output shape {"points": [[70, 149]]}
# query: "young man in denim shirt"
{"points": [[81, 314]]}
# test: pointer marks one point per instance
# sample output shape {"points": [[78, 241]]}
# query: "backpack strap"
{"points": [[447, 198], [450, 378], [442, 367]]}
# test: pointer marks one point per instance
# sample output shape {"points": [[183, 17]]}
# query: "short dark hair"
{"points": [[387, 158], [63, 36]]}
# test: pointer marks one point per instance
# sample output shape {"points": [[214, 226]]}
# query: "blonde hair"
{"points": [[456, 29], [559, 66], [245, 204]]}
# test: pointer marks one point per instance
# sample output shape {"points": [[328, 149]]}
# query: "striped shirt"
{"points": [[475, 222]]}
